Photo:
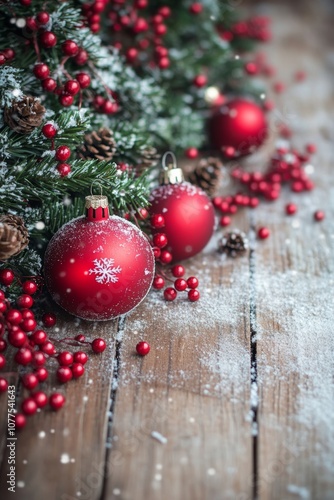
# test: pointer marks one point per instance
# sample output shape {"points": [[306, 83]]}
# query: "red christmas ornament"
{"points": [[99, 267], [188, 213], [239, 123]]}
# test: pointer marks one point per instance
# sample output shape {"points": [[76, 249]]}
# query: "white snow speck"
{"points": [[64, 458], [159, 437]]}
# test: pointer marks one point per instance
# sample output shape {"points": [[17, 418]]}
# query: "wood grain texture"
{"points": [[193, 389], [59, 454]]}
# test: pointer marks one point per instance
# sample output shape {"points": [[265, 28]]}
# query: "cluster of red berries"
{"points": [[109, 106], [18, 327], [62, 153], [256, 28], [148, 32], [92, 14], [6, 56]]}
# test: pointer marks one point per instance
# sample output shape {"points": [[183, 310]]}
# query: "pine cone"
{"points": [[13, 236], [234, 243], [149, 158], [25, 115], [98, 145], [207, 174]]}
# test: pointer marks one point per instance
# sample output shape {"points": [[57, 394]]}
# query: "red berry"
{"points": [[157, 19], [29, 287], [279, 87], [3, 384], [29, 406], [41, 373], [192, 153], [251, 68], [157, 221], [64, 169], [66, 100], [178, 271], [80, 357], [31, 24], [158, 282], [2, 361], [49, 84], [17, 339], [14, 317], [109, 107], [160, 29], [254, 202], [62, 154], [131, 54], [42, 18], [39, 337], [3, 59], [9, 54], [40, 399], [180, 284], [3, 307], [225, 221], [80, 337], [70, 48], [193, 295], [141, 4], [228, 151], [319, 215], [81, 58], [156, 252], [30, 381], [140, 25], [143, 348], [160, 240], [6, 277], [38, 358], [77, 370], [196, 8], [23, 356], [20, 419], [2, 295], [25, 3], [164, 11], [192, 282], [166, 257], [25, 301], [83, 79], [200, 81], [65, 358], [170, 294], [56, 401], [98, 345], [263, 233], [48, 348], [311, 148], [48, 39], [290, 209], [64, 374], [72, 87], [164, 63], [28, 324], [3, 345]]}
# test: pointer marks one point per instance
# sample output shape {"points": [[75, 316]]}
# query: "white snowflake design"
{"points": [[104, 271]]}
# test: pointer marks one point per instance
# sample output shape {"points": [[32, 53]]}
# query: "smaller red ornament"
{"points": [[200, 81], [263, 233], [180, 284], [196, 8], [40, 399], [80, 357], [49, 319], [83, 79], [56, 401], [192, 282], [49, 84], [6, 277], [29, 406], [290, 209], [20, 421], [143, 348], [64, 374], [70, 48], [170, 294], [319, 215], [98, 345], [63, 153], [41, 373], [192, 153], [178, 271], [30, 381], [64, 169], [65, 358], [42, 18], [77, 370], [193, 295], [3, 384], [48, 39]]}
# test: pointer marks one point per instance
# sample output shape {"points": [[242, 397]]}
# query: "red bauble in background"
{"points": [[98, 267], [239, 123], [188, 213]]}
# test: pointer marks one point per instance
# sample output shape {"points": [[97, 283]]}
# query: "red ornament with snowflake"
{"points": [[187, 211], [99, 267]]}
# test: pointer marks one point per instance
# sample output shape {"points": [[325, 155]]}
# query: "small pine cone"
{"points": [[25, 115], [14, 236], [207, 174], [98, 145], [234, 243], [149, 158]]}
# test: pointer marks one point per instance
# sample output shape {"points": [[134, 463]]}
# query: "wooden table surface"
{"points": [[241, 383]]}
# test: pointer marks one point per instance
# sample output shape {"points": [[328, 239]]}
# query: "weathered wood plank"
{"points": [[193, 388], [294, 281], [60, 456]]}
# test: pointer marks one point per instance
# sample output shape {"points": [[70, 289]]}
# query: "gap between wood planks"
{"points": [[253, 379]]}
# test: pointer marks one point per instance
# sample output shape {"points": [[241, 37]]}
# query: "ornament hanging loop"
{"points": [[97, 184], [171, 173]]}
